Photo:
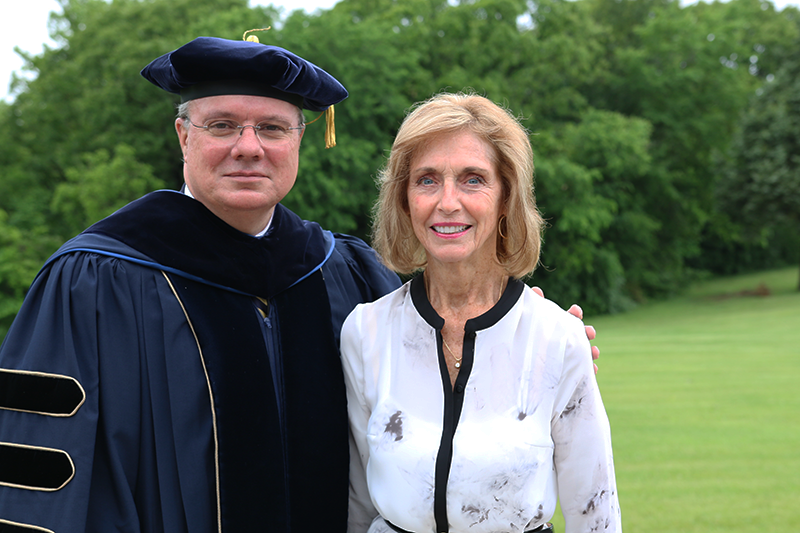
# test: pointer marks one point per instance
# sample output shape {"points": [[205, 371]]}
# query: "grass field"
{"points": [[703, 394]]}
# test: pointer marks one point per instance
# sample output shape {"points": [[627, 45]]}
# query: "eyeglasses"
{"points": [[266, 131]]}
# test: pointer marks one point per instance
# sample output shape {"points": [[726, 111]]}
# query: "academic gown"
{"points": [[141, 389]]}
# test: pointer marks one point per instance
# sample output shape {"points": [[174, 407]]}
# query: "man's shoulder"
{"points": [[353, 248], [390, 301], [97, 243], [364, 263], [381, 313]]}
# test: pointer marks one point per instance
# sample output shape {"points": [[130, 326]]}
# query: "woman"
{"points": [[472, 401]]}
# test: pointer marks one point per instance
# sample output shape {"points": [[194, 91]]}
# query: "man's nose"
{"points": [[255, 130], [247, 143]]}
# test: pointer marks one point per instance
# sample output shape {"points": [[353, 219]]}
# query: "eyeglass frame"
{"points": [[257, 128]]}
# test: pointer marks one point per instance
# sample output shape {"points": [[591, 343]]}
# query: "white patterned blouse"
{"points": [[523, 426]]}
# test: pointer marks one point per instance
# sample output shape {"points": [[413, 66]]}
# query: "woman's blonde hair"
{"points": [[519, 230]]}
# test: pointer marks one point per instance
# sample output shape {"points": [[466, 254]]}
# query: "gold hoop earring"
{"points": [[500, 226]]}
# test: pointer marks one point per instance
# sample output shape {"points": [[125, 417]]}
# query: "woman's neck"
{"points": [[456, 290]]}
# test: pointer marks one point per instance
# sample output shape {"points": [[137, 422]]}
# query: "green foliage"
{"points": [[602, 232], [20, 259], [689, 72], [13, 273], [564, 58], [762, 182], [761, 185], [100, 185], [336, 187], [572, 247], [632, 108]]}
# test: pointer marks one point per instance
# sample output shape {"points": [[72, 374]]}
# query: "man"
{"points": [[175, 367]]}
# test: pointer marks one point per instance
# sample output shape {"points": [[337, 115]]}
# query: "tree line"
{"points": [[666, 137]]}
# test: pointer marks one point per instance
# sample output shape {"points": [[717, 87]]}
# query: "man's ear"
{"points": [[183, 135]]}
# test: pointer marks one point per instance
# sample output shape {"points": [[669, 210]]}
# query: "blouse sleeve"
{"points": [[582, 444], [361, 511]]}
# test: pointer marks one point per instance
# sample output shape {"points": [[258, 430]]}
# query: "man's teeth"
{"points": [[450, 229]]}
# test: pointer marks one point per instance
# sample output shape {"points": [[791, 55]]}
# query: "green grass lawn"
{"points": [[703, 394]]}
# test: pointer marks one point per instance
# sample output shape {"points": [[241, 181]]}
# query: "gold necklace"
{"points": [[457, 359], [428, 292]]}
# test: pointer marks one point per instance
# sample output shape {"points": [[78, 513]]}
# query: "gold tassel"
{"points": [[253, 38], [330, 129]]}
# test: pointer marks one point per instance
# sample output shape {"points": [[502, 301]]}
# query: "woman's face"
{"points": [[454, 200]]}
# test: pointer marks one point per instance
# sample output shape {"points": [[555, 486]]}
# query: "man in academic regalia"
{"points": [[175, 367]]}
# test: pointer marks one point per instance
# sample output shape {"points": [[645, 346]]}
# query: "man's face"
{"points": [[240, 178]]}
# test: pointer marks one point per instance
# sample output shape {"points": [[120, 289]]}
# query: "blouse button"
{"points": [[459, 388]]}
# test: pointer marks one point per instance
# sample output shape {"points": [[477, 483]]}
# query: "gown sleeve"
{"points": [[361, 511], [91, 320], [581, 435], [373, 278], [354, 275]]}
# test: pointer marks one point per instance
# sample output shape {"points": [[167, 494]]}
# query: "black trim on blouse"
{"points": [[454, 395]]}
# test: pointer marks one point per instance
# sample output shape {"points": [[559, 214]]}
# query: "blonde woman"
{"points": [[472, 401]]}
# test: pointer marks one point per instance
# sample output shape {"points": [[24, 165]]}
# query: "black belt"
{"points": [[546, 528]]}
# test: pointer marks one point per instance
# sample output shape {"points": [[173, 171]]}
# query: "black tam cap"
{"points": [[209, 66]]}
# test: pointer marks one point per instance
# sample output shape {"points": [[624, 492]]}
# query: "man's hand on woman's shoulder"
{"points": [[576, 310]]}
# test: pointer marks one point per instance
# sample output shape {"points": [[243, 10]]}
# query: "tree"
{"points": [[336, 187], [100, 185], [19, 262], [631, 107], [761, 186], [596, 186]]}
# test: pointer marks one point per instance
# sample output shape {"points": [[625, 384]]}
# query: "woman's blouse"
{"points": [[523, 426]]}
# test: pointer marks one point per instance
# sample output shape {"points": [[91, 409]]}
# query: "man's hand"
{"points": [[576, 310]]}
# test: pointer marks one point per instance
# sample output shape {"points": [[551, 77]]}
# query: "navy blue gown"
{"points": [[169, 373]]}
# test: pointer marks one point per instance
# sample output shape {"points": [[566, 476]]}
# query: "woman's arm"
{"points": [[361, 512], [582, 445]]}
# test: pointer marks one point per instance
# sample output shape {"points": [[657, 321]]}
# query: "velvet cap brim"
{"points": [[210, 66]]}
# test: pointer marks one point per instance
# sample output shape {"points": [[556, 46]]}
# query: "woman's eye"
{"points": [[474, 180], [425, 181]]}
